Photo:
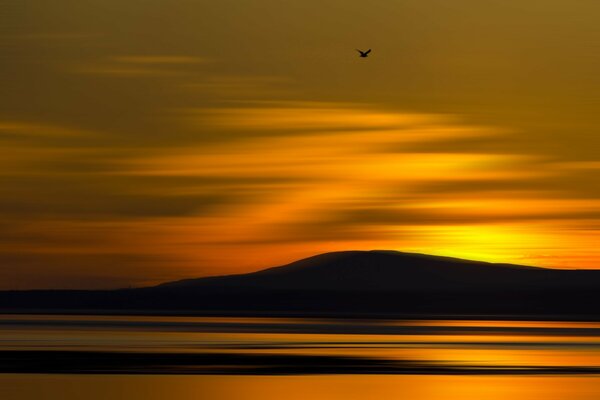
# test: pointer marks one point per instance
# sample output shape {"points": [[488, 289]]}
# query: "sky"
{"points": [[148, 141]]}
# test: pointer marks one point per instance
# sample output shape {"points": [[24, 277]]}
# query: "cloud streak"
{"points": [[289, 180]]}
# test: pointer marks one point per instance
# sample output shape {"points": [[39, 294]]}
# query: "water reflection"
{"points": [[321, 387], [365, 346]]}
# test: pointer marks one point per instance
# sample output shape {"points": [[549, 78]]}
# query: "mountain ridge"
{"points": [[376, 269], [366, 284]]}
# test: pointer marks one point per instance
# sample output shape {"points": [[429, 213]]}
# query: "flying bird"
{"points": [[364, 53]]}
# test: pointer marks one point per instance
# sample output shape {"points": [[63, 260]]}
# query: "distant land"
{"points": [[377, 283]]}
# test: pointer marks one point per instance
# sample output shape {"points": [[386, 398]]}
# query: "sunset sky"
{"points": [[147, 141]]}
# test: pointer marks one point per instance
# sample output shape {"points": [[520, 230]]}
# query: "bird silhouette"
{"points": [[364, 53]]}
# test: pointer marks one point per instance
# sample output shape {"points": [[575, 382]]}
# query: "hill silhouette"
{"points": [[385, 270], [351, 283]]}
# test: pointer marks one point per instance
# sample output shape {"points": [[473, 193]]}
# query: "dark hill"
{"points": [[382, 270], [350, 283]]}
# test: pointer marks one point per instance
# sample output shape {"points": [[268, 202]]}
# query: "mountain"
{"points": [[385, 270], [350, 283]]}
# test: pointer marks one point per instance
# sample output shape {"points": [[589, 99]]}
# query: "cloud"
{"points": [[336, 161], [442, 176], [298, 116], [286, 180]]}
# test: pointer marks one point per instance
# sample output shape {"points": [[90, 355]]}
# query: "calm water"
{"points": [[420, 360]]}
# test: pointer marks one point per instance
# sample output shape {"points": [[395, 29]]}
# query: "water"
{"points": [[336, 387], [305, 358]]}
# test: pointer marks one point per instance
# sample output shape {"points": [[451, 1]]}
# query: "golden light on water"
{"points": [[341, 387], [513, 349]]}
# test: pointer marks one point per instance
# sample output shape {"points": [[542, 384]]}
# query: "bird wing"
{"points": [[359, 51], [368, 51]]}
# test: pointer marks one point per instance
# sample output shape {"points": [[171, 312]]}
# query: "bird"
{"points": [[364, 54]]}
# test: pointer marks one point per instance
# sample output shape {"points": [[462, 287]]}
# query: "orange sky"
{"points": [[145, 143]]}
